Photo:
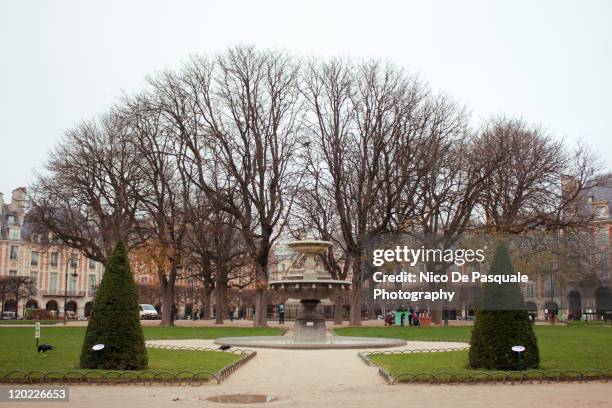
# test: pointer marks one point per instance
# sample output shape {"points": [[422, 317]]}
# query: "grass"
{"points": [[409, 333], [18, 348], [28, 322], [561, 348], [590, 323], [166, 333]]}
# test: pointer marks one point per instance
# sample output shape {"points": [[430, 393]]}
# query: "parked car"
{"points": [[148, 312], [9, 316]]}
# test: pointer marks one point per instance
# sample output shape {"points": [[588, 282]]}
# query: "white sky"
{"points": [[549, 62]]}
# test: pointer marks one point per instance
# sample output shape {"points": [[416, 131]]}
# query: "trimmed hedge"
{"points": [[115, 321], [502, 321]]}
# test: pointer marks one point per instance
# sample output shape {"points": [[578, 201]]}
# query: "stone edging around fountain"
{"points": [[332, 342]]}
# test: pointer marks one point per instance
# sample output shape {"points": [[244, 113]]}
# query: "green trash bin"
{"points": [[398, 317]]}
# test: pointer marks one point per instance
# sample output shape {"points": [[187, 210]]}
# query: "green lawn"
{"points": [[176, 332], [18, 348], [29, 322], [561, 347], [461, 333]]}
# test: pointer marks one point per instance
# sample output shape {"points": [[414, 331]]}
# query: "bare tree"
{"points": [[316, 210], [88, 196], [537, 182], [245, 117], [364, 123], [165, 194], [5, 293], [217, 246], [453, 184], [16, 288]]}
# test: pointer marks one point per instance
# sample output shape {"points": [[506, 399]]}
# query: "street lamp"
{"points": [[72, 260]]}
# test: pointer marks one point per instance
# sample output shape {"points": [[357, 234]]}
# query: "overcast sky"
{"points": [[549, 62]]}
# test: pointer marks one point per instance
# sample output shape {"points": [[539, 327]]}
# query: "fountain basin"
{"points": [[309, 246], [309, 288], [330, 342]]}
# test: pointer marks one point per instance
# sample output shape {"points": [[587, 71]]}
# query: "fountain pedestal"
{"points": [[310, 325]]}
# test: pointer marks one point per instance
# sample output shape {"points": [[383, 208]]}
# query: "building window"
{"points": [[14, 252], [53, 261], [34, 278], [12, 273], [53, 281], [92, 282], [605, 263], [601, 211], [10, 219], [530, 289], [14, 234], [603, 236], [92, 264], [549, 288], [73, 284], [34, 258]]}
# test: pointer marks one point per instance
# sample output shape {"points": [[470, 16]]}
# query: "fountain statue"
{"points": [[309, 285]]}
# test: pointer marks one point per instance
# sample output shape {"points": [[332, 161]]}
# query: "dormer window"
{"points": [[14, 234], [10, 219], [601, 211]]}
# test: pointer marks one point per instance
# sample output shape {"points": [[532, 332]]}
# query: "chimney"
{"points": [[18, 202]]}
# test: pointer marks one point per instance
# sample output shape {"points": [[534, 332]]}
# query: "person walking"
{"points": [[415, 318], [281, 314]]}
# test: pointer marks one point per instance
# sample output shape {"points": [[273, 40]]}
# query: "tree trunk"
{"points": [[261, 308], [261, 302], [338, 306], [435, 308], [436, 313], [221, 301], [168, 301], [206, 303], [355, 295], [371, 307]]}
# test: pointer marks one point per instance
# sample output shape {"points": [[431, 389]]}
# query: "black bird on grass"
{"points": [[225, 347], [45, 347]]}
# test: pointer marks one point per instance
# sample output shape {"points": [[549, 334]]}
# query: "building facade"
{"points": [[57, 274]]}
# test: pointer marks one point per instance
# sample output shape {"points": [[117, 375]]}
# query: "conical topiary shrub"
{"points": [[501, 322], [115, 321]]}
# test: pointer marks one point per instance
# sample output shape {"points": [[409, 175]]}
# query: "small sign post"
{"points": [[519, 350], [37, 332]]}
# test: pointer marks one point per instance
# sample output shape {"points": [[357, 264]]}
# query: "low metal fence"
{"points": [[144, 377], [474, 377]]}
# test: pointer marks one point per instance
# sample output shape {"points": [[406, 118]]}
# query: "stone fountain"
{"points": [[309, 285]]}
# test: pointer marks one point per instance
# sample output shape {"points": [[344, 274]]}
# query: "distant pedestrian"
{"points": [[389, 319], [415, 318], [230, 313], [402, 317], [281, 314], [410, 317]]}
